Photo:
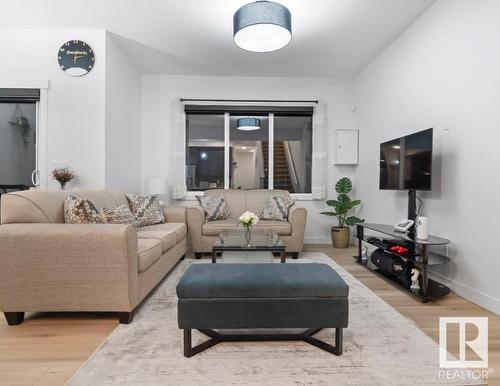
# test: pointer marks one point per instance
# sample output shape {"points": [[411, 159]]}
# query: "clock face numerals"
{"points": [[76, 58]]}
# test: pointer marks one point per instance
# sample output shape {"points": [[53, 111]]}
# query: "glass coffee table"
{"points": [[237, 240]]}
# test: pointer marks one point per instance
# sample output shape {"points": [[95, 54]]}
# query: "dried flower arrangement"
{"points": [[63, 176]]}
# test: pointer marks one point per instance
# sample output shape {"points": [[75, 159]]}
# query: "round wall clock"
{"points": [[76, 58]]}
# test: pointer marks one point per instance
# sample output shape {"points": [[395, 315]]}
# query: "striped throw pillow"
{"points": [[215, 207], [277, 208], [146, 209]]}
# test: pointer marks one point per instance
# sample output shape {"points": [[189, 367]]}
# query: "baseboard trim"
{"points": [[317, 240], [482, 299]]}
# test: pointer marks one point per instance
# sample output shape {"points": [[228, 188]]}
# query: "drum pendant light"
{"points": [[248, 124], [262, 26]]}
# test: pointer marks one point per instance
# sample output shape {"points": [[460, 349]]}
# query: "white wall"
{"points": [[76, 119], [443, 72], [162, 128], [123, 124]]}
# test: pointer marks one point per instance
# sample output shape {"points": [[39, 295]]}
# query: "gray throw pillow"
{"points": [[215, 207], [277, 208], [146, 209]]}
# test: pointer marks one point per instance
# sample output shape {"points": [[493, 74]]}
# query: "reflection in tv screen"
{"points": [[406, 162]]}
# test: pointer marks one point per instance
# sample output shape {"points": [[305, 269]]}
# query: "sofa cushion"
{"points": [[168, 234], [47, 206], [149, 251], [243, 281], [214, 228], [282, 228], [33, 206], [103, 198]]}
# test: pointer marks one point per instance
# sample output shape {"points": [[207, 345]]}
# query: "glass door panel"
{"points": [[17, 145], [248, 153], [204, 151], [293, 153]]}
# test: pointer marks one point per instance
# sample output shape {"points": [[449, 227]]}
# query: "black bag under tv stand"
{"points": [[418, 256]]}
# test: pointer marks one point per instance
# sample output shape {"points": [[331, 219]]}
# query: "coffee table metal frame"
{"points": [[220, 248]]}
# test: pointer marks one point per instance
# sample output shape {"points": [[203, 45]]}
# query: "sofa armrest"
{"points": [[297, 216], [195, 220], [68, 267], [175, 214]]}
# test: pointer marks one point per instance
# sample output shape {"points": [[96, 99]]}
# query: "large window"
{"points": [[274, 153]]}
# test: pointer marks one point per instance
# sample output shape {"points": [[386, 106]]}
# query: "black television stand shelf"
{"points": [[419, 256]]}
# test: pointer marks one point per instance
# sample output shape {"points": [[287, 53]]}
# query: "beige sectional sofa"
{"points": [[47, 265], [203, 233]]}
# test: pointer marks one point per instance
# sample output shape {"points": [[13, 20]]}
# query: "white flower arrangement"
{"points": [[248, 219]]}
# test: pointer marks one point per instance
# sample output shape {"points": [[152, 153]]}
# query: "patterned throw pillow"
{"points": [[79, 210], [118, 215], [277, 208], [146, 209], [215, 207]]}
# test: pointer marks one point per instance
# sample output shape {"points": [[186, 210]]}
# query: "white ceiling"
{"points": [[330, 37]]}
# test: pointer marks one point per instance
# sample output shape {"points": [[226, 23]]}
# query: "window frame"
{"points": [[231, 109]]}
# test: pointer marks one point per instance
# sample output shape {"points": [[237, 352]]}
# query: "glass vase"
{"points": [[248, 235]]}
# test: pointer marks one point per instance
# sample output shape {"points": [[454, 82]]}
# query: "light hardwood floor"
{"points": [[48, 348]]}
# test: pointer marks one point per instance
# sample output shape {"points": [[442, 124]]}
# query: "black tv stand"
{"points": [[419, 255]]}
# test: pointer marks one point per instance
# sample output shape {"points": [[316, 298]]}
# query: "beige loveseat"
{"points": [[47, 265], [203, 233]]}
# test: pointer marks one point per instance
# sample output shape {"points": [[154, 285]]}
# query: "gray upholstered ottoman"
{"points": [[253, 296]]}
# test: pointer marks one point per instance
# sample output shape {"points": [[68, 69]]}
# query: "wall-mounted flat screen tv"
{"points": [[406, 162]]}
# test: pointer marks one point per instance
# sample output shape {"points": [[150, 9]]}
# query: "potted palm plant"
{"points": [[342, 205]]}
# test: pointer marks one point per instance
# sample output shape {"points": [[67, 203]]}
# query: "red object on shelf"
{"points": [[399, 249]]}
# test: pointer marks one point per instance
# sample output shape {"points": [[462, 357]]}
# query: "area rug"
{"points": [[381, 347]]}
